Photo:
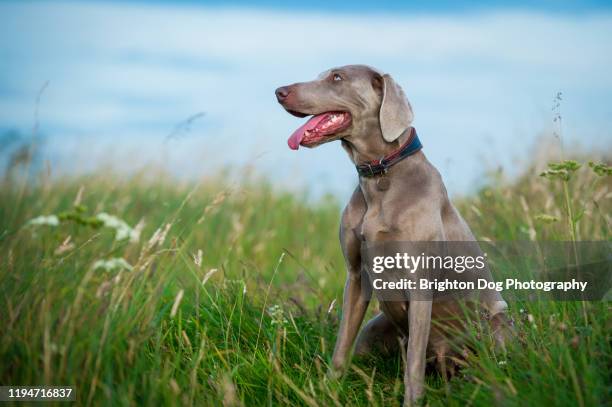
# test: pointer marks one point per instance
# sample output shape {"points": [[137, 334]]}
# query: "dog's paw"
{"points": [[502, 328], [334, 373], [415, 398]]}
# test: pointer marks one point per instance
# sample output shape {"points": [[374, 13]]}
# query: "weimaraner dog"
{"points": [[400, 197]]}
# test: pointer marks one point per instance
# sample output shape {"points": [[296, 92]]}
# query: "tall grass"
{"points": [[230, 296]]}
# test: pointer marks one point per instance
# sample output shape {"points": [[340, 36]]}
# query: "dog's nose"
{"points": [[282, 93]]}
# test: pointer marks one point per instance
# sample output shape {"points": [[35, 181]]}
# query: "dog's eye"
{"points": [[337, 77]]}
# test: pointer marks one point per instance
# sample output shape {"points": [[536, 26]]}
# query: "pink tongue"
{"points": [[298, 135]]}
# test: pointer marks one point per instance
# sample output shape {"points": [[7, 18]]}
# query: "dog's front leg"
{"points": [[354, 307], [354, 304], [419, 320]]}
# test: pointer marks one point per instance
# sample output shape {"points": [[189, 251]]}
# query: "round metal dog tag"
{"points": [[383, 183]]}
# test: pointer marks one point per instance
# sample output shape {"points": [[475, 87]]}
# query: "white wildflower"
{"points": [[278, 315], [51, 220], [115, 263], [122, 229]]}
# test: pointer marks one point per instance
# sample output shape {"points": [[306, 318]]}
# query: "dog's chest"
{"points": [[374, 227], [380, 220]]}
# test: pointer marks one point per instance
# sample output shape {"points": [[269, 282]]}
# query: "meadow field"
{"points": [[144, 290]]}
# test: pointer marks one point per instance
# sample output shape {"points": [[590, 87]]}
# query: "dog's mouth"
{"points": [[318, 129]]}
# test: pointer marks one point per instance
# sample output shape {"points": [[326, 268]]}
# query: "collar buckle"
{"points": [[384, 166], [372, 173]]}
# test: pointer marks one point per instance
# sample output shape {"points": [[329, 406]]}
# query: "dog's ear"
{"points": [[395, 111]]}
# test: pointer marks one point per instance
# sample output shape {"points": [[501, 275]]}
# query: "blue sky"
{"points": [[123, 75], [393, 6]]}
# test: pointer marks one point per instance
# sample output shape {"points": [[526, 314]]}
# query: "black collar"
{"points": [[381, 166]]}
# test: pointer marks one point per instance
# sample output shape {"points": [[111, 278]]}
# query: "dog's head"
{"points": [[346, 103]]}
